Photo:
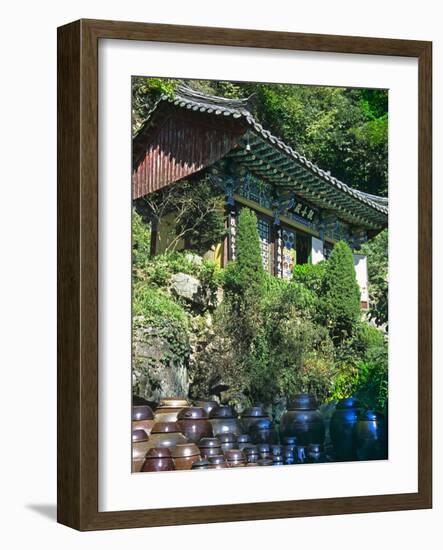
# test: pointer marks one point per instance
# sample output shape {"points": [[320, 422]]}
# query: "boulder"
{"points": [[188, 287]]}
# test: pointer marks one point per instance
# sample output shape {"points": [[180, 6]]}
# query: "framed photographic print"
{"points": [[244, 275]]}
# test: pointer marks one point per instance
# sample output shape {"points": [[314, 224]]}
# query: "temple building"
{"points": [[301, 209]]}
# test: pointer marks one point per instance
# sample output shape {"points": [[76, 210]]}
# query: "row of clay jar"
{"points": [[196, 422], [219, 452]]}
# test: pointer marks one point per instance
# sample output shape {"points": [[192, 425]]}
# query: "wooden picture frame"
{"points": [[78, 274]]}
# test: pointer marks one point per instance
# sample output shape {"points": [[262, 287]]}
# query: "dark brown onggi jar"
{"points": [[370, 436], [303, 421], [235, 458], [263, 431], [184, 455], [217, 462], [168, 409], [227, 440], [166, 434], [224, 419], [194, 423], [201, 465], [209, 446], [341, 428], [251, 415], [140, 446], [158, 460], [142, 418], [205, 404]]}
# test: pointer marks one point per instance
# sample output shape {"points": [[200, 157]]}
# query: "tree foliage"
{"points": [[340, 296], [377, 257], [343, 130], [198, 209]]}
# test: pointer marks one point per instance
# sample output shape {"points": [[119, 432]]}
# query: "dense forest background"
{"points": [[342, 130]]}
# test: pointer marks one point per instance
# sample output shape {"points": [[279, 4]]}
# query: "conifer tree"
{"points": [[340, 293]]}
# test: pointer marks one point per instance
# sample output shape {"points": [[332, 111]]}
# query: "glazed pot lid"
{"points": [[222, 411], [216, 459], [184, 450], [264, 448], [265, 462], [139, 435], [192, 413], [205, 403], [226, 437], [304, 401], [290, 440], [142, 412], [371, 416], [243, 438], [315, 448], [348, 403], [209, 442], [158, 452], [200, 464], [173, 402], [253, 412], [234, 455], [250, 449], [165, 427]]}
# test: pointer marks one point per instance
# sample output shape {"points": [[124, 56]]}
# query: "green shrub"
{"points": [[160, 319], [362, 367], [310, 275], [245, 279], [340, 295], [141, 241], [153, 304]]}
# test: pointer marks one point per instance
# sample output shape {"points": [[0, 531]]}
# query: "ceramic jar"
{"points": [[370, 438], [224, 419], [315, 453], [184, 455], [243, 440], [202, 464], [209, 446], [262, 431], [158, 460], [235, 458], [341, 428], [168, 408], [303, 421], [265, 462], [301, 454], [140, 446], [264, 450], [206, 405], [166, 434], [194, 423], [288, 456], [227, 440], [142, 418], [277, 450], [251, 415], [277, 460], [251, 453], [217, 462]]}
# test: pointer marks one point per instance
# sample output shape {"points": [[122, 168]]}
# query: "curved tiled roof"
{"points": [[278, 162]]}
